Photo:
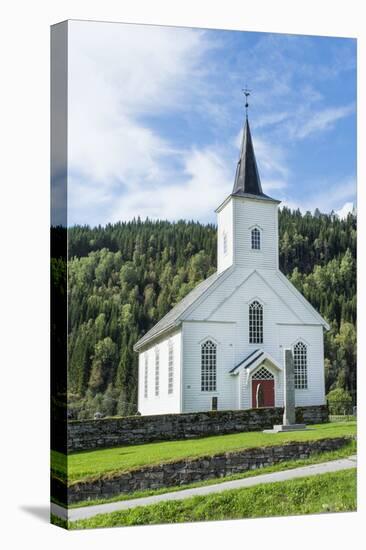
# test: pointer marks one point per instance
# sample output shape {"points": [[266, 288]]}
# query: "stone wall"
{"points": [[193, 470], [130, 430]]}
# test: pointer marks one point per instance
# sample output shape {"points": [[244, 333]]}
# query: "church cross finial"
{"points": [[246, 92]]}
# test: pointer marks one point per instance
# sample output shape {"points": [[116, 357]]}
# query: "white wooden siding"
{"points": [[281, 327], [254, 283], [195, 334], [312, 336], [237, 218], [225, 225], [164, 402], [249, 213]]}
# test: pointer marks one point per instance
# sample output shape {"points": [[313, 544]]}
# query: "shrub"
{"points": [[339, 401]]}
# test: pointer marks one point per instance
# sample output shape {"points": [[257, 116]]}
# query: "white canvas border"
{"points": [[24, 275]]}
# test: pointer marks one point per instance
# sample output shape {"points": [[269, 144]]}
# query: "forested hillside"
{"points": [[124, 277]]}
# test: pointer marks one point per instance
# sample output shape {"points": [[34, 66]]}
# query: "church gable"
{"points": [[230, 300], [284, 288]]}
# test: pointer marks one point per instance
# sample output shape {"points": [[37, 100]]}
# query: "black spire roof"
{"points": [[247, 181]]}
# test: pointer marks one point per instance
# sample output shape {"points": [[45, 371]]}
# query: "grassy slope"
{"points": [[334, 492], [91, 464], [315, 458]]}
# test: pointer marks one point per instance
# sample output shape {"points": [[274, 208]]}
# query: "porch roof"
{"points": [[248, 360], [255, 357]]}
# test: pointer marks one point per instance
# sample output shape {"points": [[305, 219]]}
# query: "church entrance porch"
{"points": [[263, 394], [259, 380]]}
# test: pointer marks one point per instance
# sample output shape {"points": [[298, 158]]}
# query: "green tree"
{"points": [[122, 278], [103, 364], [346, 342], [339, 401]]}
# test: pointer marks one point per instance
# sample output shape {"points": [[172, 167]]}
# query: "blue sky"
{"points": [[156, 115]]}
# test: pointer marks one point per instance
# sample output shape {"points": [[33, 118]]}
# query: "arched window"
{"points": [[301, 366], [157, 371], [208, 366], [255, 323], [170, 366], [256, 239]]}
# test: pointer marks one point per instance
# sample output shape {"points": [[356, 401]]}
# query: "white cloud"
{"points": [[273, 185], [319, 121], [117, 74], [206, 183], [270, 119], [127, 81], [288, 83], [272, 163], [345, 210], [327, 198], [271, 158]]}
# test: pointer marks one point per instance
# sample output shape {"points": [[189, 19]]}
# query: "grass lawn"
{"points": [[334, 492], [348, 450], [106, 462]]}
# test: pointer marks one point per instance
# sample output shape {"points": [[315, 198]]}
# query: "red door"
{"points": [[262, 393]]}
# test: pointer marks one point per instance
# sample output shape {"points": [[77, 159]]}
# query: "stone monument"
{"points": [[289, 414]]}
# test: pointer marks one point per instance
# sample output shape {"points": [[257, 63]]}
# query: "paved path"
{"points": [[315, 469]]}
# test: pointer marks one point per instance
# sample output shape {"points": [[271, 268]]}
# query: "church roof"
{"points": [[247, 181], [173, 316], [279, 284]]}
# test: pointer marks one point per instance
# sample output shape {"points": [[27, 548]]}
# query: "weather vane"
{"points": [[246, 92]]}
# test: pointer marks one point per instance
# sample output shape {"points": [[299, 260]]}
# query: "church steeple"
{"points": [[247, 181], [247, 234]]}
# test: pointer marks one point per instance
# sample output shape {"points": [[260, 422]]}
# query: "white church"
{"points": [[222, 346]]}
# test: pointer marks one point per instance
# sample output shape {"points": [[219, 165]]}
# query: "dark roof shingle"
{"points": [[248, 360], [247, 181]]}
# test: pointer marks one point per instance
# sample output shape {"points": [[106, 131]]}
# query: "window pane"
{"points": [[208, 366], [157, 371], [255, 323], [256, 239], [225, 243], [170, 367], [146, 377], [300, 366]]}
